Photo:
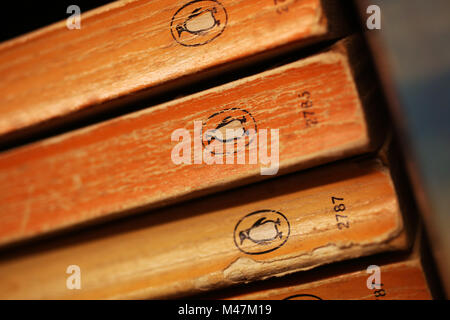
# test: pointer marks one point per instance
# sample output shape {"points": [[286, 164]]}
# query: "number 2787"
{"points": [[339, 210]]}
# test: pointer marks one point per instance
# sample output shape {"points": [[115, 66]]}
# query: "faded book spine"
{"points": [[293, 223]]}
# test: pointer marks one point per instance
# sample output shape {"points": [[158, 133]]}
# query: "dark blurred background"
{"points": [[19, 17]]}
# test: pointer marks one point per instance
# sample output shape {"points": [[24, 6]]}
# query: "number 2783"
{"points": [[340, 214]]}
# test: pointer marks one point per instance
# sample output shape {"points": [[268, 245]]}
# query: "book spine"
{"points": [[399, 276], [289, 118], [403, 280], [129, 48], [293, 223]]}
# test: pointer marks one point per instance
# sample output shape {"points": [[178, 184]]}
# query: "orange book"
{"points": [[127, 50], [292, 223], [381, 277], [292, 117]]}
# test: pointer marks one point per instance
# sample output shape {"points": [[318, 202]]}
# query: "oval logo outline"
{"points": [[305, 296], [244, 114], [236, 228], [194, 12]]}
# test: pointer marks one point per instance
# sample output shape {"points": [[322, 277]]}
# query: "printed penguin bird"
{"points": [[228, 123], [200, 21], [262, 231]]}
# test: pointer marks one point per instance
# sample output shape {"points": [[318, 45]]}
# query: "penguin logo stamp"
{"points": [[198, 22], [227, 127], [261, 232]]}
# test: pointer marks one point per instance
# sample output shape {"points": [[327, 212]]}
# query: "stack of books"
{"points": [[228, 150]]}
